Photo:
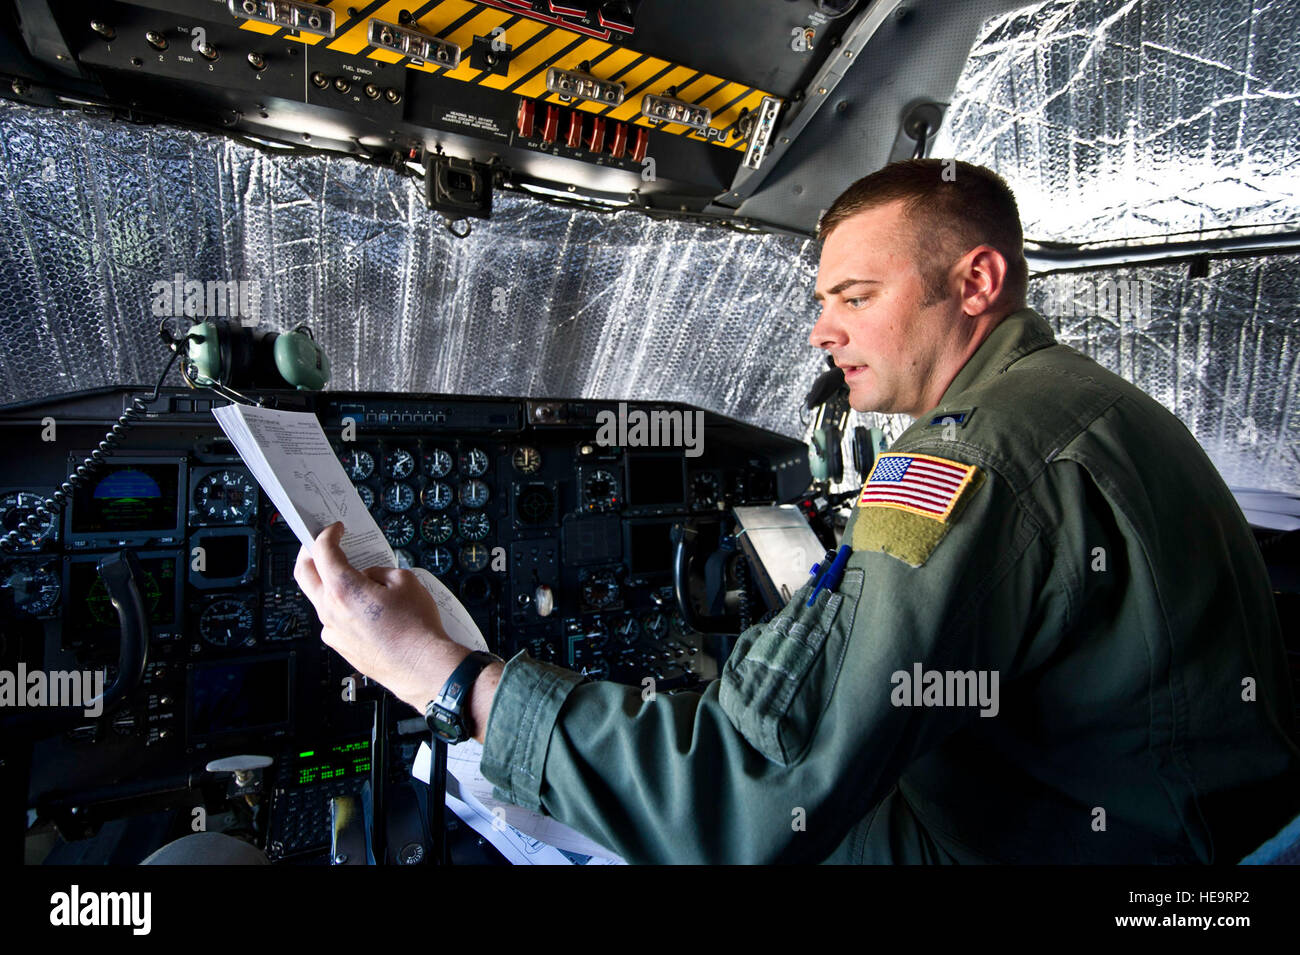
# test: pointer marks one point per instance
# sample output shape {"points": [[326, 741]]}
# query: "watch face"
{"points": [[445, 724]]}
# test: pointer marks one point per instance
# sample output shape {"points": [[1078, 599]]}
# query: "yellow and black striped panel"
{"points": [[535, 48]]}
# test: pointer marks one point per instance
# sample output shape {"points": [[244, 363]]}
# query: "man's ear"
{"points": [[983, 274]]}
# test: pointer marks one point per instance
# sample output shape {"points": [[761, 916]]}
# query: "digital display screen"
{"points": [[233, 697], [338, 761], [90, 608], [650, 547], [224, 555], [655, 479], [129, 498]]}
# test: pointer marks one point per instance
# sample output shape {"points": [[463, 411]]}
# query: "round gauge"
{"points": [[535, 504], [225, 497], [286, 617], [228, 622], [600, 491], [704, 490], [474, 557], [436, 496], [35, 587], [474, 493], [399, 497], [656, 626], [400, 530], [15, 508], [627, 631], [399, 464], [474, 462], [367, 496], [437, 528], [358, 464], [404, 559], [526, 460], [438, 560], [475, 526], [600, 589], [438, 463]]}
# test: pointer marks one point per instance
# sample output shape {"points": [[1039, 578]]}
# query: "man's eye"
{"points": [[856, 302]]}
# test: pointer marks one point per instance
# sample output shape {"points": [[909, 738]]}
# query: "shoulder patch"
{"points": [[909, 502]]}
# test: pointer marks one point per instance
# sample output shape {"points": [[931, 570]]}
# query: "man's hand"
{"points": [[381, 620]]}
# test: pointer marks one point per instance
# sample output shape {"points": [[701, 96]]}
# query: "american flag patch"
{"points": [[916, 482]]}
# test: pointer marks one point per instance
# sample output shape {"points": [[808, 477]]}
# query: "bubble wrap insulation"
{"points": [[1120, 119], [539, 301]]}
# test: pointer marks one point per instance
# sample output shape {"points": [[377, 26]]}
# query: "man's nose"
{"points": [[826, 331]]}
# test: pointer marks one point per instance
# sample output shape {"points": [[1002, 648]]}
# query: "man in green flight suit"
{"points": [[1054, 640]]}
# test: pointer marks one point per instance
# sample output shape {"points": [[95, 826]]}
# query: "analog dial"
{"points": [[400, 530], [35, 587], [474, 493], [475, 526], [527, 460], [228, 622], [15, 508], [399, 497], [436, 496], [358, 464], [437, 529], [474, 462], [225, 497], [473, 557], [439, 560], [438, 463], [399, 464], [600, 490]]}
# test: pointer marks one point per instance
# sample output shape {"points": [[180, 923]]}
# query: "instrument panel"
{"points": [[557, 540]]}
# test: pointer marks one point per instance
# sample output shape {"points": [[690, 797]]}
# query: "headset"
{"points": [[218, 354], [221, 354]]}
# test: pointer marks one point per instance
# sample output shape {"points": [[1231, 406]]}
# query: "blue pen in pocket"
{"points": [[831, 578]]}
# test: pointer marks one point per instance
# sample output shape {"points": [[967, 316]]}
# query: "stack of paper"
{"points": [[292, 459]]}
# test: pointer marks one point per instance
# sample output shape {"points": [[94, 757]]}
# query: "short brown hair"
{"points": [[960, 204]]}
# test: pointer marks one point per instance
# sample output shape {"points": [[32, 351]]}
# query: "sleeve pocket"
{"points": [[778, 680]]}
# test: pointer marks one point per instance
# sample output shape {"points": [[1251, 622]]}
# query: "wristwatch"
{"points": [[443, 712]]}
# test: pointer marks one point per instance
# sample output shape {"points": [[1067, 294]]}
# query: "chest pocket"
{"points": [[778, 680]]}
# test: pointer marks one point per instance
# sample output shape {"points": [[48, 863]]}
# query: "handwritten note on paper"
{"points": [[292, 459]]}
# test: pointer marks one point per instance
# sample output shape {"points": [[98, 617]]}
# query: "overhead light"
{"points": [[303, 17], [573, 85], [420, 47], [666, 109], [760, 137]]}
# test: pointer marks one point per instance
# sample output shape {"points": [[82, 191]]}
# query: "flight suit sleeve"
{"points": [[812, 721]]}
